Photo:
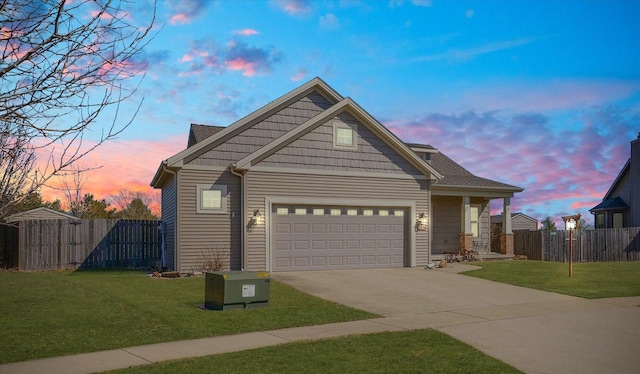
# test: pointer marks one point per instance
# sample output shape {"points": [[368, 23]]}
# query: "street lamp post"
{"points": [[570, 224]]}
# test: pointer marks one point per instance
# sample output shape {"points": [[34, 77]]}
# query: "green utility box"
{"points": [[228, 290]]}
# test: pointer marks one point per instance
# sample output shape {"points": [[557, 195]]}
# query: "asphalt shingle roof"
{"points": [[199, 133], [456, 175], [611, 204]]}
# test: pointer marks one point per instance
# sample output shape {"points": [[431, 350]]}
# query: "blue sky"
{"points": [[544, 95]]}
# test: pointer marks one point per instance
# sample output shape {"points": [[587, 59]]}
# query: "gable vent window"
{"points": [[212, 198], [344, 136]]}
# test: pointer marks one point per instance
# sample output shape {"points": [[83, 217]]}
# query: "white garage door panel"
{"points": [[313, 241]]}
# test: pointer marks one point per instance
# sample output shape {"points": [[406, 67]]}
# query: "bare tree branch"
{"points": [[63, 64]]}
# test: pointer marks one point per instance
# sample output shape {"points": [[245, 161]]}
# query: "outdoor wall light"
{"points": [[257, 216], [421, 225]]}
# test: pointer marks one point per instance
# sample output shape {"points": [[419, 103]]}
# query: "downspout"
{"points": [[430, 228], [177, 216], [243, 205]]}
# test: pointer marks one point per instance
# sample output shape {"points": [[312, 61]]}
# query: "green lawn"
{"points": [[424, 351], [58, 313], [589, 280]]}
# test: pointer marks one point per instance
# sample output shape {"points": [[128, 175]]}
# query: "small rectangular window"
{"points": [[344, 136], [600, 221], [367, 212], [617, 220], [211, 198], [301, 211], [383, 213], [318, 212], [398, 213], [336, 212], [352, 212], [475, 220], [282, 211]]}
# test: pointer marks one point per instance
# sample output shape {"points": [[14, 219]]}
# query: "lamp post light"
{"points": [[570, 224]]}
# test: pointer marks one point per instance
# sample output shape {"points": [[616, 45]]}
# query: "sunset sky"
{"points": [[544, 95]]}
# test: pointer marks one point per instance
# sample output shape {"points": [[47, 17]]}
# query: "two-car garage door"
{"points": [[320, 237]]}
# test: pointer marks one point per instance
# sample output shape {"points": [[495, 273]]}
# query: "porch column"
{"points": [[466, 236], [506, 238]]}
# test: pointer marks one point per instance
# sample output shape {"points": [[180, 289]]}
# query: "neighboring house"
{"points": [[38, 214], [313, 181], [621, 204], [519, 221]]}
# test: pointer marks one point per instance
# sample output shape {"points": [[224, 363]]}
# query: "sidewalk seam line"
{"points": [[135, 355]]}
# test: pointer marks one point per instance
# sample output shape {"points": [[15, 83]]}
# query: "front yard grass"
{"points": [[59, 313], [589, 280], [423, 351]]}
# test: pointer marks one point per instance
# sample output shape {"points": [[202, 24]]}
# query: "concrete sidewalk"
{"points": [[535, 331]]}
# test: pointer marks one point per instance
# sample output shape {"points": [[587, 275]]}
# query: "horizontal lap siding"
{"points": [[262, 184], [203, 233], [169, 220], [446, 224]]}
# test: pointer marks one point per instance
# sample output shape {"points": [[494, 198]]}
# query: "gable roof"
{"points": [[39, 213], [498, 217], [315, 84], [202, 143], [624, 171], [345, 105]]}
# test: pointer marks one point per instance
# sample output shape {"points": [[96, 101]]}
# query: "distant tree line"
{"points": [[128, 205]]}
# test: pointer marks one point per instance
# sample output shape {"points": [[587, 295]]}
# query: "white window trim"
{"points": [[354, 134], [209, 187]]}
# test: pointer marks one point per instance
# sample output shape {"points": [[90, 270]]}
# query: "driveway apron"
{"points": [[535, 331]]}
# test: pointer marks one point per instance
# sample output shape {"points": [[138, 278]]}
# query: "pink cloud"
{"points": [[184, 11], [179, 18], [204, 56], [562, 171], [299, 75], [248, 68], [294, 6], [527, 96], [246, 32]]}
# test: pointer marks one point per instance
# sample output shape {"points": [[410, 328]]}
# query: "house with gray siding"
{"points": [[519, 221], [313, 181], [620, 206], [41, 213]]}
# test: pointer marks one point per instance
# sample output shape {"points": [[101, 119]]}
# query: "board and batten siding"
{"points": [[265, 131], [316, 150], [168, 216], [297, 188], [203, 234]]}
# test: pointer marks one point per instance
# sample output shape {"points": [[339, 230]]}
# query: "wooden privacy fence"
{"points": [[94, 243], [601, 245], [8, 246]]}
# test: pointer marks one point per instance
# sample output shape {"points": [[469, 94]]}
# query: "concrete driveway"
{"points": [[535, 331]]}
